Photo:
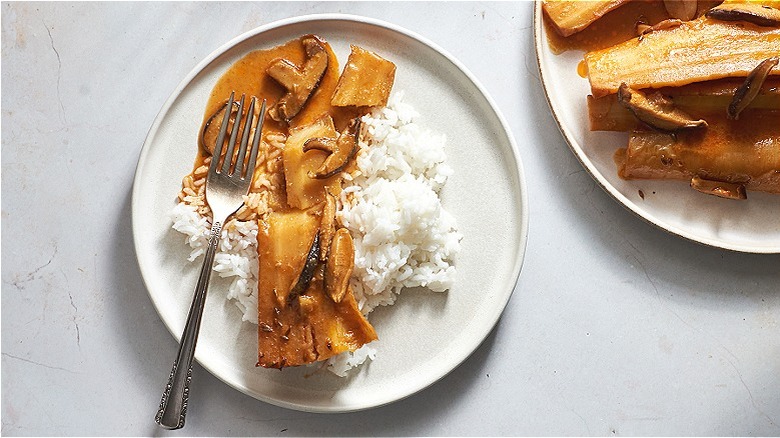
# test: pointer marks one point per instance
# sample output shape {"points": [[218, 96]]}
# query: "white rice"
{"points": [[236, 255], [403, 236]]}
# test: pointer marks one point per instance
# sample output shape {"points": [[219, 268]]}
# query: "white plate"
{"points": [[749, 226], [424, 335]]}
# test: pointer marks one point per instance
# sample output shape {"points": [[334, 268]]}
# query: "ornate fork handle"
{"points": [[173, 406]]}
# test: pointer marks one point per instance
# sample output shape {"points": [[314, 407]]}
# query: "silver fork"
{"points": [[225, 187]]}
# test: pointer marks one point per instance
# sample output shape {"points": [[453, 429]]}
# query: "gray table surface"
{"points": [[615, 327]]}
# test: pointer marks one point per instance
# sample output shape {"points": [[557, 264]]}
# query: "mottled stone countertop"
{"points": [[615, 327]]}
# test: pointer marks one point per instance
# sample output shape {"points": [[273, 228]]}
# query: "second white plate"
{"points": [[424, 335], [748, 226]]}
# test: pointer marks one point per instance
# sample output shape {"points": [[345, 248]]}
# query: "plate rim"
{"points": [[522, 188], [586, 163]]}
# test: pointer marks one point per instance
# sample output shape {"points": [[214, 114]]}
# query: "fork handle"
{"points": [[173, 406]]}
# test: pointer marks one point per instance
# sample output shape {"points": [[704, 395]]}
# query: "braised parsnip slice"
{"points": [[366, 81], [607, 114], [695, 51], [644, 29], [286, 240], [570, 17], [745, 151], [310, 327]]}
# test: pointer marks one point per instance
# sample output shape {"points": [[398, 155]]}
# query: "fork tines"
{"points": [[228, 167]]}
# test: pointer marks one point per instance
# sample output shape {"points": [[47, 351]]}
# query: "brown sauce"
{"points": [[311, 325], [741, 151], [248, 75], [614, 27], [582, 69]]}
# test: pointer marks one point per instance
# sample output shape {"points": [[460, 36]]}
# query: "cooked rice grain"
{"points": [[403, 236]]}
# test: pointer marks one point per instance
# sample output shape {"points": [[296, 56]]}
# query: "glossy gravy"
{"points": [[614, 27], [248, 75], [309, 326]]}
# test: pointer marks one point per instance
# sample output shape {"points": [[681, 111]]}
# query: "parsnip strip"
{"points": [[606, 114], [745, 151], [696, 51], [570, 17]]}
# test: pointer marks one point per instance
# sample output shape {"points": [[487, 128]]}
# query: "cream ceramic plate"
{"points": [[749, 226], [424, 335]]}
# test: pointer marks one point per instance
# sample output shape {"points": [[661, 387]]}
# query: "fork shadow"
{"points": [[146, 336]]}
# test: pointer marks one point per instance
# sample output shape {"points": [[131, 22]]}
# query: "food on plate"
{"points": [[656, 110], [570, 17], [696, 51], [697, 88], [303, 324], [760, 15], [620, 24], [340, 150], [643, 29], [607, 114], [317, 244], [302, 191], [749, 89], [681, 9], [718, 188], [744, 151], [327, 226], [299, 82], [339, 266], [366, 81]]}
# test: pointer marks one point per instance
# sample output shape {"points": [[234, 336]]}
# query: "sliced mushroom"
{"points": [[644, 29], [210, 132], [759, 15], [307, 273], [208, 137], [338, 268], [750, 88], [719, 188], [684, 10], [340, 150], [640, 27], [327, 225], [299, 82], [656, 111]]}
